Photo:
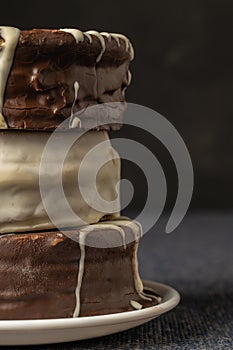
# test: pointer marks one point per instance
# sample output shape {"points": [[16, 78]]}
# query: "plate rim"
{"points": [[96, 321]]}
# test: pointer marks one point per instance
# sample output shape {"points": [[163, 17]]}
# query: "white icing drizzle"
{"points": [[134, 225], [135, 305], [79, 37], [89, 37], [111, 224], [116, 39], [76, 88], [129, 77], [123, 37], [102, 225], [137, 231], [74, 121], [82, 239], [128, 45], [109, 36], [77, 34], [11, 37], [122, 233], [106, 34], [137, 280], [102, 42], [158, 298]]}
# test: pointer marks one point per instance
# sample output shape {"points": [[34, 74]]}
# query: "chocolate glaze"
{"points": [[40, 87], [39, 272]]}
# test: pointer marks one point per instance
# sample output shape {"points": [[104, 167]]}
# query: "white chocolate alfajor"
{"points": [[21, 205]]}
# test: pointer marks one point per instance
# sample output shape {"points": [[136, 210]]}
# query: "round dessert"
{"points": [[53, 74], [51, 275], [63, 268], [22, 207]]}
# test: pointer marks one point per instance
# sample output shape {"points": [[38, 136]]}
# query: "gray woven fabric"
{"points": [[197, 260]]}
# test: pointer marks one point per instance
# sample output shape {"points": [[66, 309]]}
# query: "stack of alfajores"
{"points": [[48, 270]]}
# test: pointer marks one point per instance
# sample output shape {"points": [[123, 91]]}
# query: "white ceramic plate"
{"points": [[31, 332]]}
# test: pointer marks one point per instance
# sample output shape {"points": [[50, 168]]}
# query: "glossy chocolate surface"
{"points": [[40, 89], [39, 274]]}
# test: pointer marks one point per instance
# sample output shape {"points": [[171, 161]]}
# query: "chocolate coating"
{"points": [[40, 89], [39, 273]]}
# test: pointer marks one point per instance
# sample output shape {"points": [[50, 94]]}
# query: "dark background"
{"points": [[182, 69]]}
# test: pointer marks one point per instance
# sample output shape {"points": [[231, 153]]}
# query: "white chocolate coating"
{"points": [[7, 52], [21, 206]]}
